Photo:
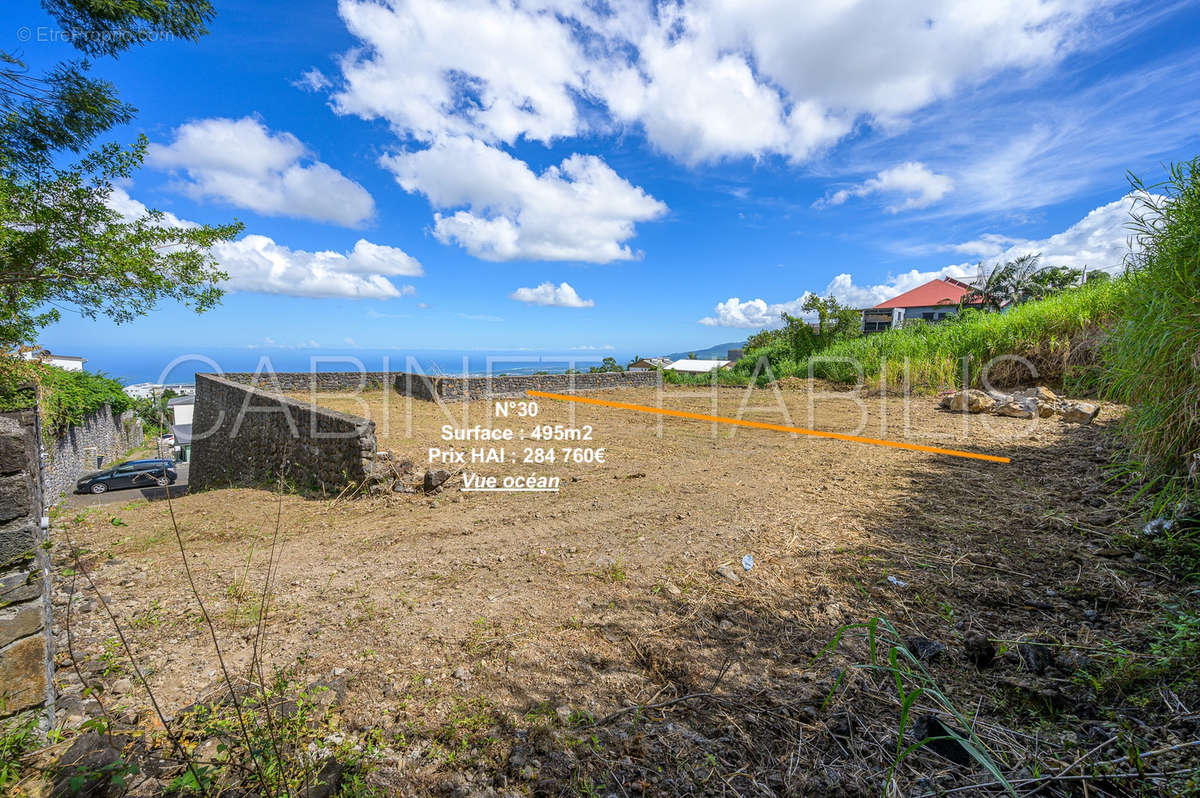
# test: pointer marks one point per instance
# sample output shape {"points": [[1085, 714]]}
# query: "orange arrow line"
{"points": [[916, 447]]}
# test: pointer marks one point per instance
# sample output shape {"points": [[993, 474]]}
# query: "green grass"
{"points": [[1153, 358], [1057, 337]]}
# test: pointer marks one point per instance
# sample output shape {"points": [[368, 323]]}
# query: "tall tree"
{"points": [[834, 320], [61, 242]]}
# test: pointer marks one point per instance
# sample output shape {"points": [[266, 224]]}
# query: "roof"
{"points": [[47, 354], [935, 292], [182, 433], [696, 366], [181, 400]]}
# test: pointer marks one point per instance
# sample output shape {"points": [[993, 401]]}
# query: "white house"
{"points": [[64, 362], [695, 366]]}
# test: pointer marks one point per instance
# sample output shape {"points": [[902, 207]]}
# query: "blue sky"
{"points": [[686, 170]]}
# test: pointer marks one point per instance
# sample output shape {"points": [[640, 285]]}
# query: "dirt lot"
{"points": [[489, 637]]}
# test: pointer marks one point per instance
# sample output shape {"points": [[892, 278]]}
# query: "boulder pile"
{"points": [[1028, 403]]}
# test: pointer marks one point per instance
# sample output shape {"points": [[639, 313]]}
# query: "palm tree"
{"points": [[1013, 282], [1021, 278], [988, 289]]}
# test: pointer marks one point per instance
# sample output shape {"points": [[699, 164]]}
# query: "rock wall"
{"points": [[243, 436], [102, 434], [313, 382], [26, 650], [462, 389]]}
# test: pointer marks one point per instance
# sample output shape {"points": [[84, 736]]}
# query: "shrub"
{"points": [[66, 396]]}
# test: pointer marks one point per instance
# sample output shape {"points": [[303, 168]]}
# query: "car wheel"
{"points": [[99, 487], [162, 482]]}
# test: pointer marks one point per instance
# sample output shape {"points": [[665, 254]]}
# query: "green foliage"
{"points": [[606, 365], [102, 27], [1020, 280], [60, 241], [269, 744], [834, 320], [1172, 657], [1046, 332], [1151, 360], [66, 396], [18, 736], [66, 109], [890, 657]]}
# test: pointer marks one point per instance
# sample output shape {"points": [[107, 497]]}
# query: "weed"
{"points": [[914, 683], [149, 618], [18, 736], [113, 657]]}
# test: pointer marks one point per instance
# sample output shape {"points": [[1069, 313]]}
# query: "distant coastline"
{"points": [[178, 365]]}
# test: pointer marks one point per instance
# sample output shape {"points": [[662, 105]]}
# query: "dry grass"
{"points": [[580, 641]]}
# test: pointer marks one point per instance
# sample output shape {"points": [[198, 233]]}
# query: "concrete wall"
{"points": [[243, 436], [461, 389], [74, 451], [26, 650]]}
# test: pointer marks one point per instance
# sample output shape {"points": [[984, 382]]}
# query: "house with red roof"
{"points": [[931, 302]]}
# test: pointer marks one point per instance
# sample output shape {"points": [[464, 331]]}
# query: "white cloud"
{"points": [[562, 295], [703, 78], [912, 181], [258, 263], [579, 210], [753, 313], [1098, 241], [241, 162], [313, 80]]}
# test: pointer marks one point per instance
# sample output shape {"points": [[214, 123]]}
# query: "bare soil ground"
{"points": [[582, 642]]}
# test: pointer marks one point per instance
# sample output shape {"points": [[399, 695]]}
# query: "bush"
{"points": [[66, 396]]}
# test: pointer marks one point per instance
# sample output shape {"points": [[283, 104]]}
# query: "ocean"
{"points": [[159, 365]]}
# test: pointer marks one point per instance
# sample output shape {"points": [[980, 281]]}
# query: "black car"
{"points": [[134, 474]]}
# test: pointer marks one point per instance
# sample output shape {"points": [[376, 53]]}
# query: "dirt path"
{"points": [[460, 609]]}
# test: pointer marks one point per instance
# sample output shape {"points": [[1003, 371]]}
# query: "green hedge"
{"points": [[66, 396]]}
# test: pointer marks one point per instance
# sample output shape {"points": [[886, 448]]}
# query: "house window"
{"points": [[928, 316]]}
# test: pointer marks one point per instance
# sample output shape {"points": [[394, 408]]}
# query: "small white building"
{"points": [[695, 366], [146, 390], [649, 364], [64, 362], [141, 390], [181, 408]]}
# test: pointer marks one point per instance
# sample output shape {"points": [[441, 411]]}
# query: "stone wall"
{"points": [[313, 381], [26, 652], [102, 434], [243, 436], [461, 389]]}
